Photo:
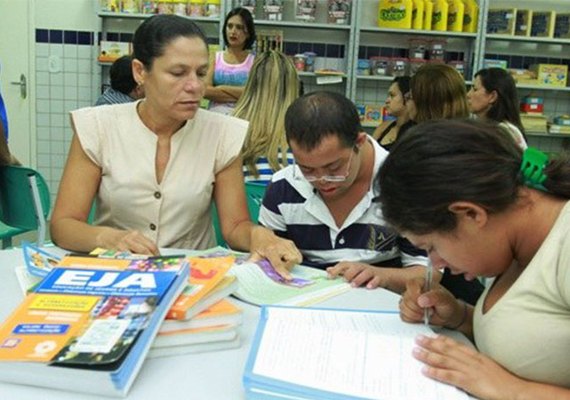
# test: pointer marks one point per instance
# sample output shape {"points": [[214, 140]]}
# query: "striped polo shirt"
{"points": [[293, 209]]}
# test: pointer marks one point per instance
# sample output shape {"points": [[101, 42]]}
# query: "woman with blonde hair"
{"points": [[272, 86]]}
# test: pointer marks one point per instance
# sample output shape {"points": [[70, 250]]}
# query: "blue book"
{"points": [[88, 325], [330, 354]]}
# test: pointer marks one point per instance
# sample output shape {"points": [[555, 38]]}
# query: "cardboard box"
{"points": [[523, 23], [551, 74], [562, 26], [501, 21], [543, 24], [488, 63]]}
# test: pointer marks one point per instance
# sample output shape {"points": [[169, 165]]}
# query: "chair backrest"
{"points": [[254, 193], [24, 200]]}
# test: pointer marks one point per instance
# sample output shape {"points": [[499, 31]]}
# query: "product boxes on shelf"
{"points": [[501, 21], [551, 74], [563, 120], [395, 14], [110, 51], [418, 14], [530, 104], [372, 115], [523, 23], [488, 63], [543, 24], [562, 26]]}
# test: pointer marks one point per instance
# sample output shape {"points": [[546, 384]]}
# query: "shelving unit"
{"points": [[363, 32]]}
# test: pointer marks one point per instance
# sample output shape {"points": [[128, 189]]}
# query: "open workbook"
{"points": [[259, 284], [324, 354]]}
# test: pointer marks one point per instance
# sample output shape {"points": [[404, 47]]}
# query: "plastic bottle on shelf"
{"points": [[397, 66], [110, 6], [180, 7], [165, 7], [196, 8], [130, 6], [339, 11], [306, 10], [471, 16], [418, 14], [148, 6], [439, 16], [418, 48], [249, 5], [395, 14], [273, 10], [437, 49], [379, 65], [212, 8], [428, 14], [455, 15], [299, 61], [310, 61]]}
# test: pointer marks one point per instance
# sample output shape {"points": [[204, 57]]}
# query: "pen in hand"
{"points": [[427, 288]]}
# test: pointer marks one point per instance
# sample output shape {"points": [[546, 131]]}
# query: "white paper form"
{"points": [[360, 354]]}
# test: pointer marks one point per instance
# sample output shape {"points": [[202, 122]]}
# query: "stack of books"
{"points": [[202, 319], [88, 325]]}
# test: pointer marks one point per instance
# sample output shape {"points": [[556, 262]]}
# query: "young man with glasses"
{"points": [[324, 204]]}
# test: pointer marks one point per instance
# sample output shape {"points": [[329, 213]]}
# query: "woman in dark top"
{"points": [[387, 132]]}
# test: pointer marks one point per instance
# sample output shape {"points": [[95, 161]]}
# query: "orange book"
{"points": [[205, 275], [224, 312]]}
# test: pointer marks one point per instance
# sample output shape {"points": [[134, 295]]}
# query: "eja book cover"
{"points": [[88, 325]]}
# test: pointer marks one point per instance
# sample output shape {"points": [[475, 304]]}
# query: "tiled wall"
{"points": [[67, 78]]}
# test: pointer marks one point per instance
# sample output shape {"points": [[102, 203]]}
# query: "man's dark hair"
{"points": [[121, 74], [318, 114]]}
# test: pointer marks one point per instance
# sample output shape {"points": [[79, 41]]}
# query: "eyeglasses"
{"points": [[327, 178]]}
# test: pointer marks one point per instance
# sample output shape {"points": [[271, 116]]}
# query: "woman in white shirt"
{"points": [[493, 97], [481, 206], [154, 166]]}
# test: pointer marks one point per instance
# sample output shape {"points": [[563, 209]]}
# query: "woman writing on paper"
{"points": [[466, 193], [155, 165]]}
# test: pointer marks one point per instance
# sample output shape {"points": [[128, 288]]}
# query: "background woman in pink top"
{"points": [[228, 73]]}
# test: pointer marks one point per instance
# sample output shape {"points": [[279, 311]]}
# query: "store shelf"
{"points": [[542, 87], [511, 38], [546, 134], [303, 25], [420, 32], [116, 15], [375, 78]]}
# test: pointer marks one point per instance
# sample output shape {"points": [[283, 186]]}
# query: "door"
{"points": [[15, 76]]}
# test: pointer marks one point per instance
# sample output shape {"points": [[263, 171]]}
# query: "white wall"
{"points": [[66, 14]]}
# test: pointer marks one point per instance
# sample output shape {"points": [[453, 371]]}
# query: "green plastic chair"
{"points": [[254, 193], [24, 203]]}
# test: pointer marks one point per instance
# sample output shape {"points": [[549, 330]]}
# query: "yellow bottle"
{"points": [[428, 13], [418, 14], [455, 14], [395, 14], [471, 16], [439, 17]]}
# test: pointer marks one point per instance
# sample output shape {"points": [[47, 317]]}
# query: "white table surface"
{"points": [[205, 376]]}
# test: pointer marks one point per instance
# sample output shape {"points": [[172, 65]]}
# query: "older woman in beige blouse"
{"points": [[155, 165]]}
